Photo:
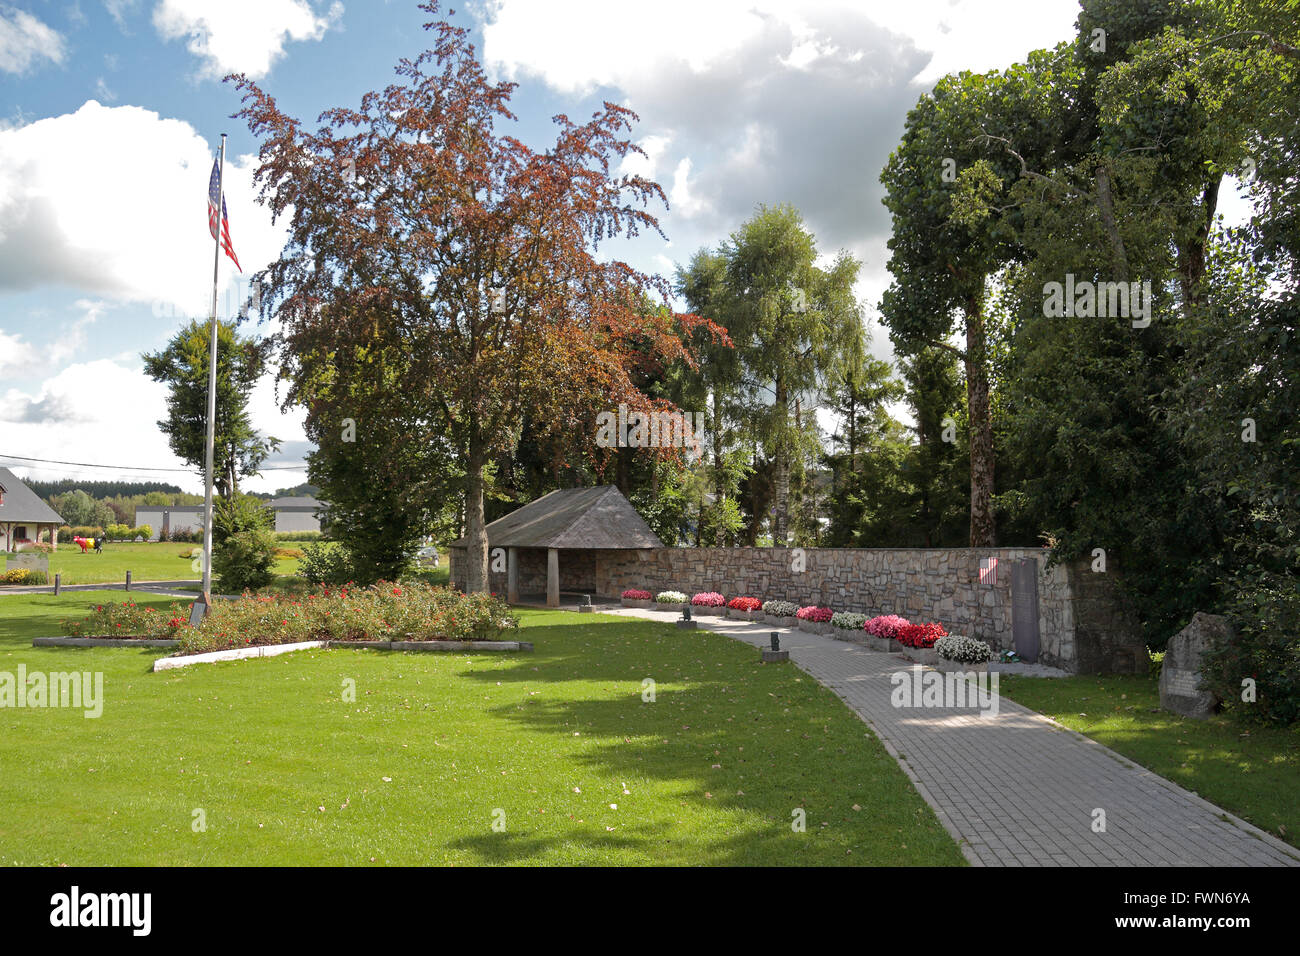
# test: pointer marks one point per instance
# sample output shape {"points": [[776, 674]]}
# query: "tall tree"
{"points": [[238, 449], [476, 254]]}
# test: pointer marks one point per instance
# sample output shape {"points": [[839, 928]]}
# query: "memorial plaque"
{"points": [[1181, 690], [1024, 608], [196, 613]]}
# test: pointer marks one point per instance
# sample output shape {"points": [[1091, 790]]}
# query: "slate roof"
{"points": [[23, 504], [573, 518]]}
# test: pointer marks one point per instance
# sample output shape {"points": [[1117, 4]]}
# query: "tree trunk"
{"points": [[1106, 205], [476, 539], [719, 481], [780, 472], [982, 532], [1191, 255]]}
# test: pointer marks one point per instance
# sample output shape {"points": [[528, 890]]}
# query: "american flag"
{"points": [[989, 571], [214, 197]]}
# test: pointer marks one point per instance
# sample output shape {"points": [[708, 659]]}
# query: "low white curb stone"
{"points": [[237, 654]]}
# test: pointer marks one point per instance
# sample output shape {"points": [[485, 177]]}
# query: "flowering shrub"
{"points": [[22, 576], [920, 635], [745, 603], [885, 625], [670, 597], [382, 612], [780, 608], [127, 619], [633, 594], [818, 615], [963, 650], [709, 599], [848, 620]]}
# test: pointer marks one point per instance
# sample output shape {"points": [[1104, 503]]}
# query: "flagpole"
{"points": [[212, 390]]}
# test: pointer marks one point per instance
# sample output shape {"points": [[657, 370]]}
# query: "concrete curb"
{"points": [[236, 654], [430, 646]]}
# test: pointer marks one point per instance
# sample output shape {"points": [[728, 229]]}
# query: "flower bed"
{"points": [[920, 636], [847, 626], [382, 612], [745, 608], [635, 597], [818, 615], [710, 602], [780, 612], [670, 601], [885, 625], [963, 650]]}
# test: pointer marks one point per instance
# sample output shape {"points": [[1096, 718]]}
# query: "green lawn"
{"points": [[155, 561], [586, 772], [1253, 772]]}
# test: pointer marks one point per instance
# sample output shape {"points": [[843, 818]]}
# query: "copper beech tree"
{"points": [[417, 229]]}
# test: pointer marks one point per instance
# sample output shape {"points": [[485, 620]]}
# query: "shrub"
{"points": [[1264, 649], [885, 625], [670, 597], [243, 561], [381, 612], [142, 531], [232, 516], [634, 594], [963, 650], [128, 619], [745, 603], [920, 635], [780, 608], [818, 615], [22, 576], [848, 620], [298, 536], [118, 532], [326, 564], [288, 552], [709, 599]]}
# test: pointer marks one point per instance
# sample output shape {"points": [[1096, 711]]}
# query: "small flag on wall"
{"points": [[214, 197], [989, 571]]}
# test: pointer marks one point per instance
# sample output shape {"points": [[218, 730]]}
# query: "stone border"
{"points": [[430, 646], [235, 654], [104, 642]]}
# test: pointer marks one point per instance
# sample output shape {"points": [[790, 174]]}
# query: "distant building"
{"points": [[299, 513], [166, 519], [23, 515]]}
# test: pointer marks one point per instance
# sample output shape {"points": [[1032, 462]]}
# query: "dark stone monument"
{"points": [[686, 623], [774, 654], [586, 606], [1024, 608], [1180, 675]]}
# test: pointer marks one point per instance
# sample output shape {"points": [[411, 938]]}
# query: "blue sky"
{"points": [[110, 113]]}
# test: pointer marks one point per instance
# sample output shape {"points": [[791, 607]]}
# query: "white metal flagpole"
{"points": [[212, 389]]}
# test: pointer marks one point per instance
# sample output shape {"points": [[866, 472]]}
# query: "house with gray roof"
{"points": [[554, 545], [23, 515]]}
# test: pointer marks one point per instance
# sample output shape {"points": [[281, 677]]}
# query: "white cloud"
{"points": [[126, 220], [241, 36], [16, 356], [25, 40]]}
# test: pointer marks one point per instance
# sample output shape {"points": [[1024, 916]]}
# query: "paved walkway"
{"points": [[1017, 788]]}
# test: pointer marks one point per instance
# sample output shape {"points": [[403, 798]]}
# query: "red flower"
{"points": [[397, 590]]}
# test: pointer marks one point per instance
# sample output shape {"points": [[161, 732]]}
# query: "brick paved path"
{"points": [[1017, 788]]}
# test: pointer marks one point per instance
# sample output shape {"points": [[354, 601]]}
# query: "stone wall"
{"points": [[1084, 625]]}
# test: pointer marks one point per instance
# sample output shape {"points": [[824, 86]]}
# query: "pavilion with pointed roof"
{"points": [[556, 542]]}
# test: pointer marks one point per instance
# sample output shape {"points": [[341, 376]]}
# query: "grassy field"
{"points": [[557, 746], [1253, 772], [147, 561]]}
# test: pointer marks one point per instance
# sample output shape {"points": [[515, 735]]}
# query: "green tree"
{"points": [[238, 450]]}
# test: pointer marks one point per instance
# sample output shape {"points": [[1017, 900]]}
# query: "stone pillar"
{"points": [[512, 575], [552, 577]]}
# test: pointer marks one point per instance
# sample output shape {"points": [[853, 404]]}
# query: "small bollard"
{"points": [[585, 607], [774, 654], [128, 580], [686, 623], [58, 584]]}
